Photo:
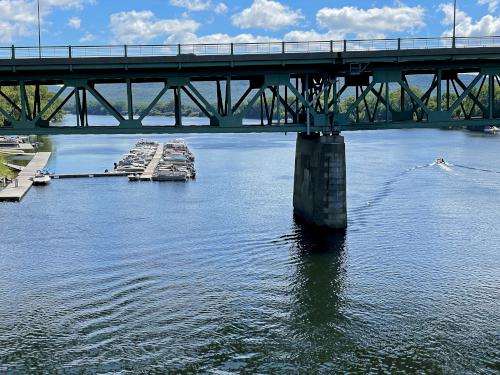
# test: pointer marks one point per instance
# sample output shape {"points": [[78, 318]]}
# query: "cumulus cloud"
{"points": [[220, 8], [311, 35], [267, 15], [372, 22], [74, 22], [19, 17], [466, 26], [142, 27], [191, 38], [88, 37], [492, 4], [192, 5], [66, 3]]}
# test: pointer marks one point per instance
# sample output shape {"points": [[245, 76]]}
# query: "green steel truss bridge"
{"points": [[324, 86]]}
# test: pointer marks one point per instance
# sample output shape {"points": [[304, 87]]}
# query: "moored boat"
{"points": [[40, 178]]}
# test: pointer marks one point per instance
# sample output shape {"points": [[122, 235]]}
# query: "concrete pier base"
{"points": [[319, 194]]}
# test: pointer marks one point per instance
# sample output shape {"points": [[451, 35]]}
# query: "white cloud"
{"points": [[372, 22], [88, 37], [19, 17], [142, 27], [192, 5], [311, 35], [191, 38], [466, 26], [220, 8], [74, 22], [447, 9], [492, 4], [66, 3], [267, 15]]}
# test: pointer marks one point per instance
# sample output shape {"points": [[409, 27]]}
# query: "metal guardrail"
{"points": [[270, 48]]}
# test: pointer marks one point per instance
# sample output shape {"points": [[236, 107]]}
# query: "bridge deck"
{"points": [[15, 193]]}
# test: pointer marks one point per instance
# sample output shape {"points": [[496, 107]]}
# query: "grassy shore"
{"points": [[4, 170]]}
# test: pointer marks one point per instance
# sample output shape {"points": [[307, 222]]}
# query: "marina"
{"points": [[153, 161], [17, 189], [176, 164], [147, 161]]}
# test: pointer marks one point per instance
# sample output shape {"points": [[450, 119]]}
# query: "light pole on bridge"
{"points": [[453, 44], [39, 31]]}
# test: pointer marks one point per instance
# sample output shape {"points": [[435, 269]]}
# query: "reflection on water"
{"points": [[103, 276]]}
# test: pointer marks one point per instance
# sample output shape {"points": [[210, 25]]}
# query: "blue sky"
{"points": [[190, 21]]}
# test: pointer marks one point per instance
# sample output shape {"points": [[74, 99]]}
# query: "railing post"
{"points": [[331, 46], [345, 45], [178, 49], [283, 48], [70, 54], [399, 44], [232, 49], [13, 52], [125, 50]]}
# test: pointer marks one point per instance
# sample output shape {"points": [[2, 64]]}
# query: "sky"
{"points": [[91, 22]]}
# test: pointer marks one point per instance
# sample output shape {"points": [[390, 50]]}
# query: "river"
{"points": [[215, 275]]}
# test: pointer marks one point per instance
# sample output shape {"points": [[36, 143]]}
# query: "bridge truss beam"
{"points": [[320, 99]]}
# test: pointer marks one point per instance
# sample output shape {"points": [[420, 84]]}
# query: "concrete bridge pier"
{"points": [[319, 194]]}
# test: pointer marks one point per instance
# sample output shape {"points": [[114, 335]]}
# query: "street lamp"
{"points": [[39, 31], [454, 22]]}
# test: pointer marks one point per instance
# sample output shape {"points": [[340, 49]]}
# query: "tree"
{"points": [[13, 93]]}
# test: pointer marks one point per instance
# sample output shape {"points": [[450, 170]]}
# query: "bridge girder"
{"points": [[354, 93]]}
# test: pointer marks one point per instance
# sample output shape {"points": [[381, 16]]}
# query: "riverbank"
{"points": [[4, 170]]}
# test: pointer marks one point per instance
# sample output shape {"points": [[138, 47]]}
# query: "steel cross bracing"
{"points": [[306, 92]]}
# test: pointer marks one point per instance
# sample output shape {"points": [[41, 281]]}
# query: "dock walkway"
{"points": [[148, 172], [88, 175], [15, 167], [15, 193]]}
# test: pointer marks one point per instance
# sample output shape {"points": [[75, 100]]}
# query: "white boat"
{"points": [[134, 177], [490, 129], [40, 179]]}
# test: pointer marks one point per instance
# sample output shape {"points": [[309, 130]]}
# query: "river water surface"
{"points": [[215, 275]]}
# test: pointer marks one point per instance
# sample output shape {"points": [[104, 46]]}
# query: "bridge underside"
{"points": [[313, 93]]}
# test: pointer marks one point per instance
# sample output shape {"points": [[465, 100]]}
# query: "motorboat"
{"points": [[134, 177], [40, 178], [440, 161], [491, 129]]}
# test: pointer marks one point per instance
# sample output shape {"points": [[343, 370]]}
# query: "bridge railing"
{"points": [[268, 48]]}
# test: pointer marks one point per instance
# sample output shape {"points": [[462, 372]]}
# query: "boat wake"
{"points": [[475, 169], [387, 187]]}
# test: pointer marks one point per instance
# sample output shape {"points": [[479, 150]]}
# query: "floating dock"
{"points": [[15, 167], [27, 147], [88, 175], [147, 175], [18, 188]]}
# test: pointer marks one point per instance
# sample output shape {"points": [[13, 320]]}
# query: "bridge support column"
{"points": [[319, 194]]}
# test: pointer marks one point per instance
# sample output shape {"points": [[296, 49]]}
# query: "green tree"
{"points": [[13, 93]]}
